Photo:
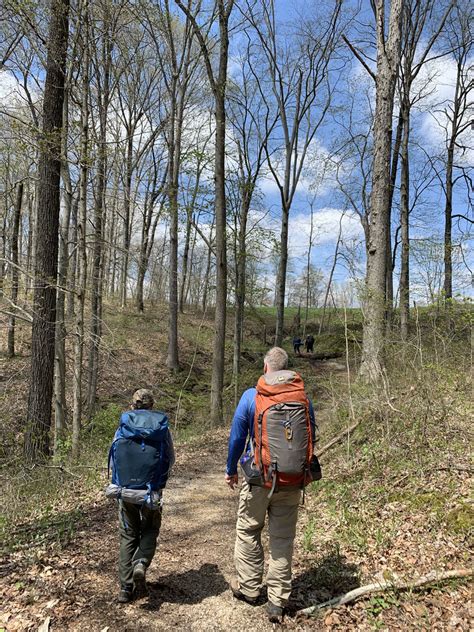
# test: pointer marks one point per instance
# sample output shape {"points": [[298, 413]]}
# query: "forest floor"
{"points": [[76, 588], [368, 520]]}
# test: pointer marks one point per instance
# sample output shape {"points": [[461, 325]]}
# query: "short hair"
{"points": [[276, 359], [142, 399]]}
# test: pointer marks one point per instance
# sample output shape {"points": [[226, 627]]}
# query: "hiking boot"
{"points": [[238, 594], [274, 612], [139, 572], [125, 596]]}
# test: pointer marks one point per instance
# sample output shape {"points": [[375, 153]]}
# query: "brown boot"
{"points": [[238, 594]]}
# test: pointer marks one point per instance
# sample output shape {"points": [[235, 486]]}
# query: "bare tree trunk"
{"points": [[448, 224], [188, 275], [308, 269], [207, 275], [81, 251], [3, 251], [72, 266], [241, 260], [99, 209], [281, 277], [217, 380], [14, 269], [60, 341], [172, 360], [30, 241], [404, 228], [331, 274], [185, 263], [126, 217], [389, 268], [36, 445], [388, 52]]}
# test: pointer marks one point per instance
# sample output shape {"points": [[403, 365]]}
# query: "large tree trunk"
{"points": [[36, 445], [218, 357], [388, 51], [14, 269], [217, 381]]}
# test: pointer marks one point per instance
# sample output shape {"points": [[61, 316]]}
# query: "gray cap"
{"points": [[142, 398]]}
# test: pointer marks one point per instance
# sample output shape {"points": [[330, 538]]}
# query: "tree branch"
{"points": [[431, 578], [360, 58]]}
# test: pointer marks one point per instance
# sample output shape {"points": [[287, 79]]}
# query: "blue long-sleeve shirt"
{"points": [[241, 432]]}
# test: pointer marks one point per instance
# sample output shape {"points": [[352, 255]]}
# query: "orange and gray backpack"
{"points": [[283, 445]]}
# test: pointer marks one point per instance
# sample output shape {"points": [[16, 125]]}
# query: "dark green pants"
{"points": [[139, 528]]}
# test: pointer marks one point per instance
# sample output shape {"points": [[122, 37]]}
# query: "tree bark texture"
{"points": [[81, 256], [38, 424], [388, 51]]}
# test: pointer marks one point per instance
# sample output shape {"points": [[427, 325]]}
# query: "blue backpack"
{"points": [[142, 451]]}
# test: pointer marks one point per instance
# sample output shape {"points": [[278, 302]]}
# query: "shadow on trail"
{"points": [[190, 587], [332, 576]]}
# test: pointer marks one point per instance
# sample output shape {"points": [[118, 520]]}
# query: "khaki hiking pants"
{"points": [[139, 528], [282, 509]]}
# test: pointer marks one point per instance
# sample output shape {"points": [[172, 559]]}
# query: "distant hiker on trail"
{"points": [[309, 343], [276, 421], [297, 343], [141, 456]]}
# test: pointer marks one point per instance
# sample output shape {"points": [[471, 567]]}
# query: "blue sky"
{"points": [[428, 140]]}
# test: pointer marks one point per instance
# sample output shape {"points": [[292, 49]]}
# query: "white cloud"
{"points": [[326, 223], [12, 96], [317, 175]]}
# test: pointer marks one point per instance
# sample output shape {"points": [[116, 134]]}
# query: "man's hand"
{"points": [[232, 480]]}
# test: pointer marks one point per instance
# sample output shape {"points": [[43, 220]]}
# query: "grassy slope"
{"points": [[385, 506]]}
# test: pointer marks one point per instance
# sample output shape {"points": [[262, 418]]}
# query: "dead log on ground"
{"points": [[339, 437], [431, 578]]}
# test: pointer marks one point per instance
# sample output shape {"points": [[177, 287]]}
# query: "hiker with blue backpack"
{"points": [[141, 457], [272, 434]]}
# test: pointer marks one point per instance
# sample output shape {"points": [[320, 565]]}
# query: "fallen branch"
{"points": [[329, 355], [342, 435], [54, 467], [431, 578]]}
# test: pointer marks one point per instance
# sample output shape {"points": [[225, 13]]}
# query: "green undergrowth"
{"points": [[411, 425], [398, 485]]}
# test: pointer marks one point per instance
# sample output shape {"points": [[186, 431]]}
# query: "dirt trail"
{"points": [[188, 579]]}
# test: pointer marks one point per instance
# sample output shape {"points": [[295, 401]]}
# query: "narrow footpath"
{"points": [[188, 579]]}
